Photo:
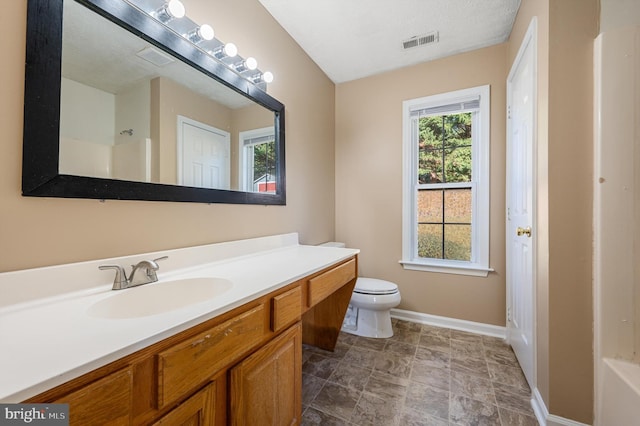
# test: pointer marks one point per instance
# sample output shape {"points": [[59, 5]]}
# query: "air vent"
{"points": [[421, 40], [155, 56]]}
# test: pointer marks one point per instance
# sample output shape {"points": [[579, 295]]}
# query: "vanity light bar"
{"points": [[172, 14]]}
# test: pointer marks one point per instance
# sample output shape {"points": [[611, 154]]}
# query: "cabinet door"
{"points": [[106, 401], [195, 411], [266, 388]]}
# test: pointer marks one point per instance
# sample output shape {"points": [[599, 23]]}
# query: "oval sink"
{"points": [[158, 298]]}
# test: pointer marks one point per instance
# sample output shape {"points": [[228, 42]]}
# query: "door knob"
{"points": [[524, 231]]}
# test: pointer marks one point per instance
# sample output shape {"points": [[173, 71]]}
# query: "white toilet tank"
{"points": [[333, 244]]}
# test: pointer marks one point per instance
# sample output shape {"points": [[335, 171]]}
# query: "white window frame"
{"points": [[245, 182], [480, 185]]}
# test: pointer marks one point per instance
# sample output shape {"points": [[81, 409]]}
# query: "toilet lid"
{"points": [[374, 286]]}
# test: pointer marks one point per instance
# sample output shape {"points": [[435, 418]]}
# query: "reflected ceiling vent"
{"points": [[155, 56], [421, 40]]}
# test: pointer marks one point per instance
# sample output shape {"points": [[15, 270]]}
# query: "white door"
{"points": [[521, 141], [203, 155]]}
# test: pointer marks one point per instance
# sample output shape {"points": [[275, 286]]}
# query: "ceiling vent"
{"points": [[421, 40], [155, 56]]}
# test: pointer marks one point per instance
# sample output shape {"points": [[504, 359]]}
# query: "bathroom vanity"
{"points": [[235, 358]]}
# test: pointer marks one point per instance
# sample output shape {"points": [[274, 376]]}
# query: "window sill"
{"points": [[451, 267]]}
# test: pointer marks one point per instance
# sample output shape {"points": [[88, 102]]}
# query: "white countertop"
{"points": [[45, 342]]}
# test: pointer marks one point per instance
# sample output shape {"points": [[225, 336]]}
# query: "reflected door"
{"points": [[203, 155]]}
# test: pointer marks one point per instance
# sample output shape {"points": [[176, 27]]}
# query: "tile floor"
{"points": [[423, 375]]}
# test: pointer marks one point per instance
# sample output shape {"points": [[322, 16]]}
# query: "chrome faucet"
{"points": [[142, 273]]}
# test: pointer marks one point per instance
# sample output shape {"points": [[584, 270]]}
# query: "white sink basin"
{"points": [[158, 298]]}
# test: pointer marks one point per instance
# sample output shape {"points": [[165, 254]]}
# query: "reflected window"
{"points": [[258, 160]]}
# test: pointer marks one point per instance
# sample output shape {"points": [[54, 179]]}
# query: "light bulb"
{"points": [[176, 9], [197, 35], [245, 65], [251, 63], [230, 50], [206, 32], [267, 76], [171, 10]]}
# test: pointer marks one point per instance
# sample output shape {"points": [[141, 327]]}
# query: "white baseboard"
{"points": [[561, 421], [543, 416], [456, 324], [539, 407]]}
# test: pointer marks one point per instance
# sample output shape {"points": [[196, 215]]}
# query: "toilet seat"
{"points": [[374, 286]]}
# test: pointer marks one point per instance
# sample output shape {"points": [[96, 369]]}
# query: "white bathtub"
{"points": [[619, 400]]}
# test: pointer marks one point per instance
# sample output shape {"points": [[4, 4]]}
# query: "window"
{"points": [[446, 182], [258, 160]]}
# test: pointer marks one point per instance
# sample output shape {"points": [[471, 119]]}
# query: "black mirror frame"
{"points": [[40, 172]]}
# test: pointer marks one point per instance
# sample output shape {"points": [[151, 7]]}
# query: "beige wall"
{"points": [[42, 231], [619, 13], [564, 316], [573, 26], [369, 181]]}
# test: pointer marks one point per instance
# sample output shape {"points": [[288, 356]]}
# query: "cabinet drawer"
{"points": [[106, 401], [328, 282], [286, 309], [190, 363]]}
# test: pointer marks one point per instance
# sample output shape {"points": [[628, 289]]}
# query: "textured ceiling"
{"points": [[351, 39]]}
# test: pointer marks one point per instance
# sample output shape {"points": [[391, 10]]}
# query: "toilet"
{"points": [[369, 311]]}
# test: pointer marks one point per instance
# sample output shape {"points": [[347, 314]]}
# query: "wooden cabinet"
{"points": [[105, 401], [266, 388], [286, 309], [188, 364], [328, 294], [195, 411], [322, 286], [243, 367]]}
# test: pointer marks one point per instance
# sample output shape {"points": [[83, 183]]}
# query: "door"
{"points": [[520, 240], [203, 155]]}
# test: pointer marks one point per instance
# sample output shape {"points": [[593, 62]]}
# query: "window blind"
{"points": [[467, 105], [258, 140]]}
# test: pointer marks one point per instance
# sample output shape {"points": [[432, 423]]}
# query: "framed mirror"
{"points": [[119, 105]]}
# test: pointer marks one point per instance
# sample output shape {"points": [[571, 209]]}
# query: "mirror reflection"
{"points": [[130, 111]]}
